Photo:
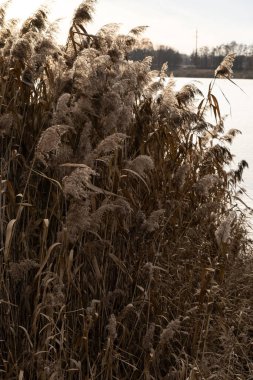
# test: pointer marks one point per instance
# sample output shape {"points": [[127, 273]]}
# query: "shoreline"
{"points": [[207, 73]]}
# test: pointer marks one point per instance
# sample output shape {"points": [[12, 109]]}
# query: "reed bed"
{"points": [[124, 245]]}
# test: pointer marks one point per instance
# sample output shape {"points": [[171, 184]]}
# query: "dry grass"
{"points": [[124, 254]]}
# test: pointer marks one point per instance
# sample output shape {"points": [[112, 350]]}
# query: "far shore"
{"points": [[207, 73]]}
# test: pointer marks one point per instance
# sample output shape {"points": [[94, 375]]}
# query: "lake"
{"points": [[239, 116]]}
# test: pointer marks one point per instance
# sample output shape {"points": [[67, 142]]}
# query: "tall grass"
{"points": [[124, 253]]}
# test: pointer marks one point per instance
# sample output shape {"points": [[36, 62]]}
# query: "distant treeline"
{"points": [[160, 55], [204, 58]]}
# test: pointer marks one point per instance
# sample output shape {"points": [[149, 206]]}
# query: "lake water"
{"points": [[240, 116]]}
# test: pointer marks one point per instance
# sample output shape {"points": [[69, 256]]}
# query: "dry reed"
{"points": [[124, 253]]}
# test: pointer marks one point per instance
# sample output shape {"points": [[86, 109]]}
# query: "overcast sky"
{"points": [[171, 22]]}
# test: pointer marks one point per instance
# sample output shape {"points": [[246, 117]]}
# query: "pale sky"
{"points": [[172, 23]]}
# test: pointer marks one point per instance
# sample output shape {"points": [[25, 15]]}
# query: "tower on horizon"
{"points": [[196, 50]]}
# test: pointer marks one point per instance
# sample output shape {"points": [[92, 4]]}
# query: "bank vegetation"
{"points": [[124, 247]]}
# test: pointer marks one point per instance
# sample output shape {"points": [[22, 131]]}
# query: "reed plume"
{"points": [[224, 70]]}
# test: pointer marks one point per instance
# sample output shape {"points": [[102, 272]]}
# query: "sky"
{"points": [[171, 23]]}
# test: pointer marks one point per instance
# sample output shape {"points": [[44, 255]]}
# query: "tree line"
{"points": [[204, 58]]}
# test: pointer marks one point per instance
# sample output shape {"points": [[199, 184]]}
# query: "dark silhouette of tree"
{"points": [[160, 55]]}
